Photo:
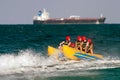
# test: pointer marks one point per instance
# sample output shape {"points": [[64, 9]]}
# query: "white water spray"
{"points": [[29, 61]]}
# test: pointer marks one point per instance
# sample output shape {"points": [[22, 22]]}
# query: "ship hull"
{"points": [[72, 21]]}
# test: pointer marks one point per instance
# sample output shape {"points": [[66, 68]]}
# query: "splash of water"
{"points": [[21, 62], [29, 61]]}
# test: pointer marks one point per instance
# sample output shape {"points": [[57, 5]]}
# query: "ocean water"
{"points": [[23, 52]]}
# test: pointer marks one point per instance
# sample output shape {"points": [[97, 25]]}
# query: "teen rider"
{"points": [[89, 46], [78, 43], [66, 42], [83, 43]]}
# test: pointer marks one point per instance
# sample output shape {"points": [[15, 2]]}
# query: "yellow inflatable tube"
{"points": [[69, 52]]}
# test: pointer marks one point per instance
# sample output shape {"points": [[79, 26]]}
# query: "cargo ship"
{"points": [[43, 18]]}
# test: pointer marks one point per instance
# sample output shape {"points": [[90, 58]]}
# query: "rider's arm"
{"points": [[62, 43]]}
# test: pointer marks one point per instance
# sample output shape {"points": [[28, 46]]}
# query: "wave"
{"points": [[29, 61]]}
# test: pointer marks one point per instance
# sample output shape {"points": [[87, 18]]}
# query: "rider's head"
{"points": [[79, 38], [72, 45], [67, 38], [83, 38], [89, 40]]}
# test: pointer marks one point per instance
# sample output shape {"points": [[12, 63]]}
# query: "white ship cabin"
{"points": [[42, 15], [74, 17]]}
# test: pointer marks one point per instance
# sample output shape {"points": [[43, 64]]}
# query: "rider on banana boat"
{"points": [[83, 43], [89, 46], [78, 43], [72, 45], [66, 42]]}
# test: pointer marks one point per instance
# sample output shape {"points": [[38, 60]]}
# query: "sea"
{"points": [[23, 52]]}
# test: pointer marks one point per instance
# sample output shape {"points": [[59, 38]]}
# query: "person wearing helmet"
{"points": [[66, 42], [83, 44], [72, 45], [78, 43], [89, 46]]}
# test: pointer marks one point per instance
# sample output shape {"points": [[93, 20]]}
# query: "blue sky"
{"points": [[22, 11]]}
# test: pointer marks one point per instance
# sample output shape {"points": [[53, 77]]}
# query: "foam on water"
{"points": [[29, 61], [24, 60]]}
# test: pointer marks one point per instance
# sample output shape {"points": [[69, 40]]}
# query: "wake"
{"points": [[29, 61]]}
